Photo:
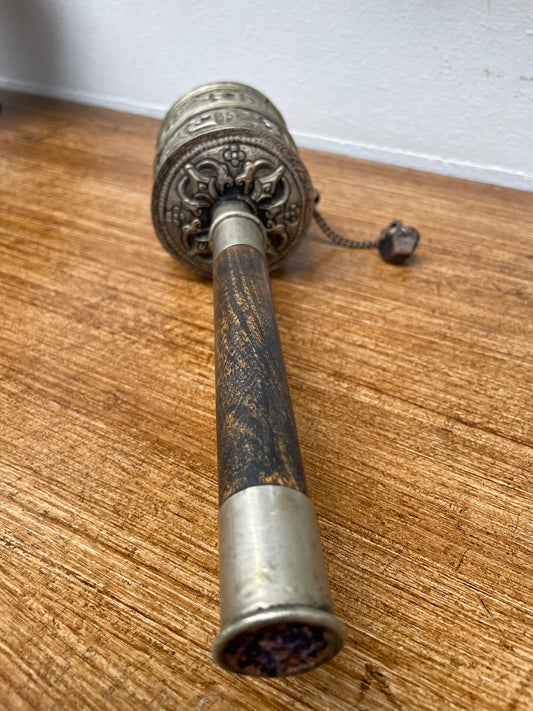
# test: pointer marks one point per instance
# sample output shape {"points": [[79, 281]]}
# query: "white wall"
{"points": [[441, 85]]}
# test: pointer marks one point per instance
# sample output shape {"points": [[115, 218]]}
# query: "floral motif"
{"points": [[234, 155], [231, 170], [292, 213], [204, 183], [178, 216]]}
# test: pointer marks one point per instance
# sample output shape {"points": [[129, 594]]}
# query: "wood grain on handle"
{"points": [[256, 431]]}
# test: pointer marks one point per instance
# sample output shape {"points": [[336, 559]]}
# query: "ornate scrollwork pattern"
{"points": [[177, 133], [265, 174], [215, 105]]}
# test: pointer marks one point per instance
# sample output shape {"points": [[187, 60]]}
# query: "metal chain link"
{"points": [[339, 239]]}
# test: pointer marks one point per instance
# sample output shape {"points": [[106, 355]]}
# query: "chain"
{"points": [[339, 239]]}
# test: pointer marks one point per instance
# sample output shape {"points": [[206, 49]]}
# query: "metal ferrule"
{"points": [[234, 223], [276, 613]]}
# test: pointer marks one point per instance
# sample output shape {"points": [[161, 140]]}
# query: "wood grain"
{"points": [[257, 441], [412, 393]]}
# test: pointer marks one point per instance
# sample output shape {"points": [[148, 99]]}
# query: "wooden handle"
{"points": [[276, 616], [256, 431]]}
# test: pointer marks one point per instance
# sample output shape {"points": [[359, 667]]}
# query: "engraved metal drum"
{"points": [[227, 141]]}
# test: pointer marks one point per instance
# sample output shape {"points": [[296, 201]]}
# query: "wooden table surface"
{"points": [[412, 389]]}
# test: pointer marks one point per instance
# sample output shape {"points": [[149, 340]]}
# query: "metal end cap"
{"points": [[279, 642]]}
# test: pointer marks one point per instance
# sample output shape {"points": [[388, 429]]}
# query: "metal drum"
{"points": [[220, 142]]}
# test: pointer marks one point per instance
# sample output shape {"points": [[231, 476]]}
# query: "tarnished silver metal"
{"points": [[234, 223], [227, 174], [276, 613], [227, 141]]}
